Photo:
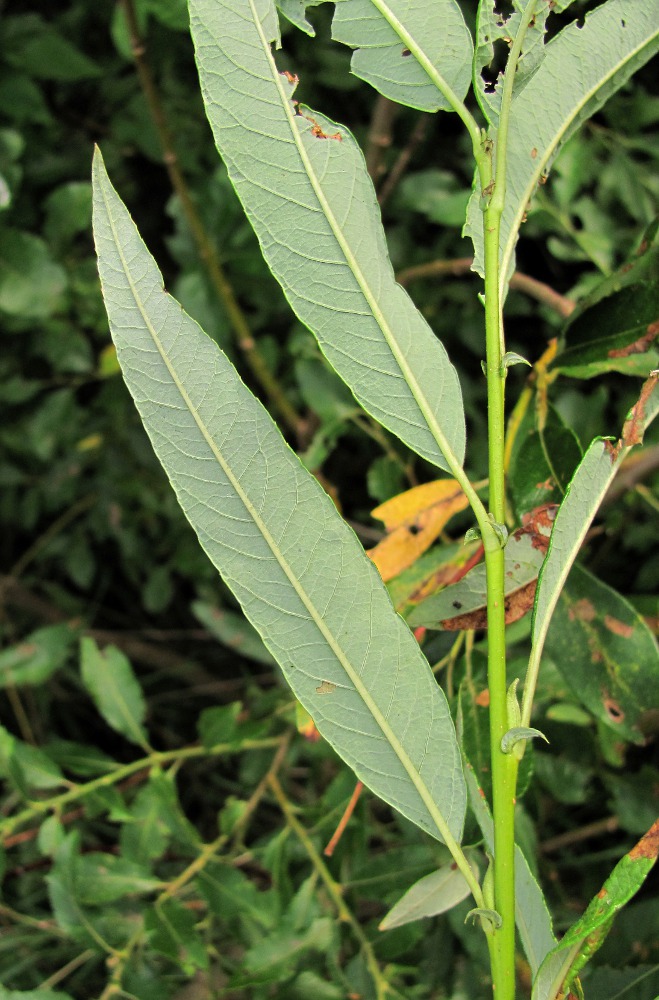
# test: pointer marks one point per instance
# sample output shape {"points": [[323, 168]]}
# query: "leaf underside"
{"points": [[304, 186], [299, 572], [568, 86], [406, 48]]}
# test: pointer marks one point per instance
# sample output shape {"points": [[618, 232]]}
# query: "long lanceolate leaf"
{"points": [[584, 495], [564, 962], [299, 572], [304, 185], [580, 69]]}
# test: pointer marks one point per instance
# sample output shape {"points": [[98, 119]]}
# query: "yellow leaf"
{"points": [[413, 521]]}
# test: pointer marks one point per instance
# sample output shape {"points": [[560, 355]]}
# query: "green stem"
{"points": [[504, 766], [334, 890], [156, 759]]}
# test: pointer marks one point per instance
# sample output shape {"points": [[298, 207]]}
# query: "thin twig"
{"points": [[67, 969], [208, 852], [379, 137], [333, 888], [205, 247], [160, 657], [542, 293], [434, 269], [417, 136], [52, 531], [158, 758], [345, 819], [601, 826], [535, 289]]}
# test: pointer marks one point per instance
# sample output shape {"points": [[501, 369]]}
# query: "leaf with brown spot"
{"points": [[441, 566], [517, 604], [606, 653], [640, 346], [523, 561], [620, 628], [413, 520], [587, 935], [639, 415], [617, 333]]}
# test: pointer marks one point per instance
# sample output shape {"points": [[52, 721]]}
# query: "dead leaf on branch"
{"points": [[413, 520]]}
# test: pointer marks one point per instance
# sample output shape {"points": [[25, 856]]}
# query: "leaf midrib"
{"points": [[543, 160], [305, 599], [378, 315], [419, 54]]}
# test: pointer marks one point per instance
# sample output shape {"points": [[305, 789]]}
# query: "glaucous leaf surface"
{"points": [[412, 51], [304, 185], [299, 572], [566, 89], [435, 893], [492, 27]]}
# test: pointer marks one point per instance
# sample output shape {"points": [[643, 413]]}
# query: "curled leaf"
{"points": [[490, 919], [514, 739]]}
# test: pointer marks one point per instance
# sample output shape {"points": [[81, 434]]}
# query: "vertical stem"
{"points": [[504, 766]]}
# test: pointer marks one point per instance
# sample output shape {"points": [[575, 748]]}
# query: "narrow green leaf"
{"points": [[490, 919], [640, 268], [172, 930], [279, 953], [433, 894], [492, 27], [299, 572], [543, 465], [582, 500], [584, 938], [109, 678], [105, 878], [568, 87], [304, 185], [415, 52], [518, 735], [26, 765], [531, 914]]}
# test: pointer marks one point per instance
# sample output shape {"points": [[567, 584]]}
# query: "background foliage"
{"points": [[181, 853]]}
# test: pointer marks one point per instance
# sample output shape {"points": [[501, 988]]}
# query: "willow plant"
{"points": [[297, 569]]}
